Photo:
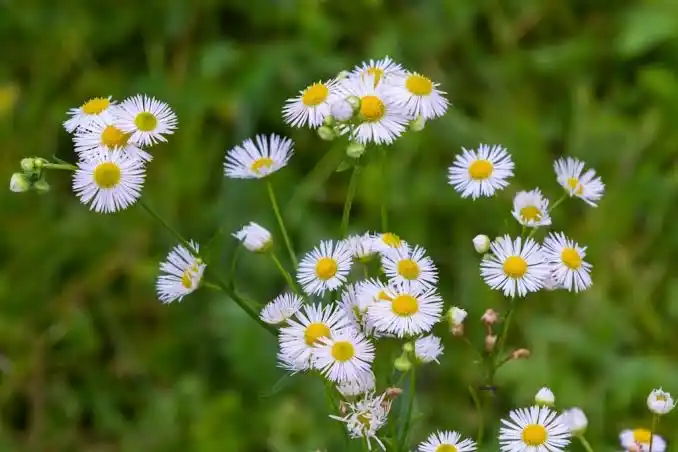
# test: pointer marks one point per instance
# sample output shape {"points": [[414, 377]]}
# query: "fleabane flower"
{"points": [[101, 134], [281, 309], [383, 70], [660, 402], [258, 158], [325, 268], [409, 264], [381, 118], [566, 259], [428, 348], [109, 181], [447, 441], [387, 241], [312, 104], [303, 333], [535, 429], [346, 356], [362, 246], [365, 382], [419, 95], [575, 420], [531, 209], [639, 440], [365, 417], [515, 267], [481, 172], [180, 274], [254, 237], [413, 310], [147, 119], [587, 186], [82, 116], [355, 305]]}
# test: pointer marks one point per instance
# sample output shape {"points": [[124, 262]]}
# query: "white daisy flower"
{"points": [[381, 119], [387, 241], [413, 310], [575, 420], [531, 209], [180, 273], [372, 291], [482, 172], [147, 119], [346, 356], [639, 440], [362, 246], [365, 417], [254, 237], [419, 95], [409, 264], [82, 116], [354, 305], [660, 401], [515, 267], [352, 388], [281, 309], [447, 442], [109, 181], [325, 268], [428, 348], [304, 330], [101, 134], [566, 259], [380, 70], [259, 158], [585, 186], [312, 104], [535, 429]]}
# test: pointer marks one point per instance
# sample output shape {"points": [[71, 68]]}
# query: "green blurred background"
{"points": [[93, 362]]}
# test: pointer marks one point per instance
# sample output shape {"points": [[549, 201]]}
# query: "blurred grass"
{"points": [[93, 362]]}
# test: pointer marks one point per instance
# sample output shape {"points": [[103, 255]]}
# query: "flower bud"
{"points": [[418, 124], [255, 238], [354, 101], [402, 364], [456, 316], [490, 341], [41, 186], [326, 133], [342, 110], [355, 150], [28, 164], [392, 393], [329, 120], [408, 347], [545, 397], [660, 402], [489, 317], [575, 421], [521, 353], [481, 243], [19, 183]]}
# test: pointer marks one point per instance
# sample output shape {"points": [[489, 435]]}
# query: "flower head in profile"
{"points": [[101, 134], [109, 181], [258, 158], [419, 95], [346, 356], [362, 246], [180, 273], [660, 402], [254, 237], [586, 186], [575, 420], [515, 267], [446, 441], [365, 417], [387, 241], [409, 264], [362, 384], [383, 70], [355, 304], [639, 440], [428, 348], [481, 172], [281, 309], [566, 258], [531, 209], [325, 268], [312, 104], [533, 429], [82, 116], [147, 119]]}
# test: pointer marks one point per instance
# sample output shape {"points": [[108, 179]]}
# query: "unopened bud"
{"points": [[354, 101], [418, 124], [521, 353], [41, 186], [481, 243], [408, 347], [545, 397], [342, 110], [28, 164], [575, 420], [456, 316], [402, 364], [326, 133], [458, 330], [355, 150], [490, 317], [392, 393], [329, 120], [490, 340], [19, 183]]}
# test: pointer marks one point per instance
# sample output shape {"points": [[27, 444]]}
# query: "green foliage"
{"points": [[92, 361]]}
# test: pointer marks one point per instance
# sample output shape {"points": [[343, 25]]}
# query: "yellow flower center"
{"points": [[377, 73], [574, 184], [342, 351], [530, 213], [187, 279], [391, 240], [534, 435], [661, 398], [446, 448], [146, 121], [419, 85], [515, 266], [408, 269], [315, 95], [261, 163], [480, 169], [404, 305], [113, 137], [383, 296], [95, 105], [641, 435], [365, 419], [315, 331], [107, 175], [325, 268], [372, 108], [571, 258]]}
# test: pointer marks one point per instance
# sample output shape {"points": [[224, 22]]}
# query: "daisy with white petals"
{"points": [[481, 172], [254, 237], [586, 186], [387, 241], [409, 264], [101, 134], [181, 273], [447, 442], [351, 388], [639, 440], [355, 304], [535, 429], [380, 70], [312, 105], [413, 310], [147, 119], [256, 159], [325, 268], [419, 95], [566, 258], [428, 348], [531, 209], [346, 356], [362, 246], [365, 417], [82, 116], [660, 402], [514, 267], [281, 309], [109, 181]]}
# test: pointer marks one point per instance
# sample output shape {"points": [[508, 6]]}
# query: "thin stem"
{"points": [[505, 329], [410, 406], [384, 190], [210, 285], [281, 223], [588, 447], [285, 273], [166, 225], [350, 195], [479, 408], [60, 166], [655, 421], [558, 202]]}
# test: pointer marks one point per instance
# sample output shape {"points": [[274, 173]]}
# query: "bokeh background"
{"points": [[91, 361]]}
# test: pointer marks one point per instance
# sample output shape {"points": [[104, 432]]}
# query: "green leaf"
{"points": [[343, 166]]}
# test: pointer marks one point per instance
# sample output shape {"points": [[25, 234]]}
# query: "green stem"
{"points": [[384, 191], [588, 447], [350, 195], [166, 225], [655, 421], [281, 223], [481, 420], [60, 166], [210, 285], [410, 406], [559, 201], [494, 364], [285, 273]]}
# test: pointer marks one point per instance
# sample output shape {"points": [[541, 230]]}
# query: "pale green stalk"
{"points": [[281, 223], [284, 273], [587, 446], [350, 195]]}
